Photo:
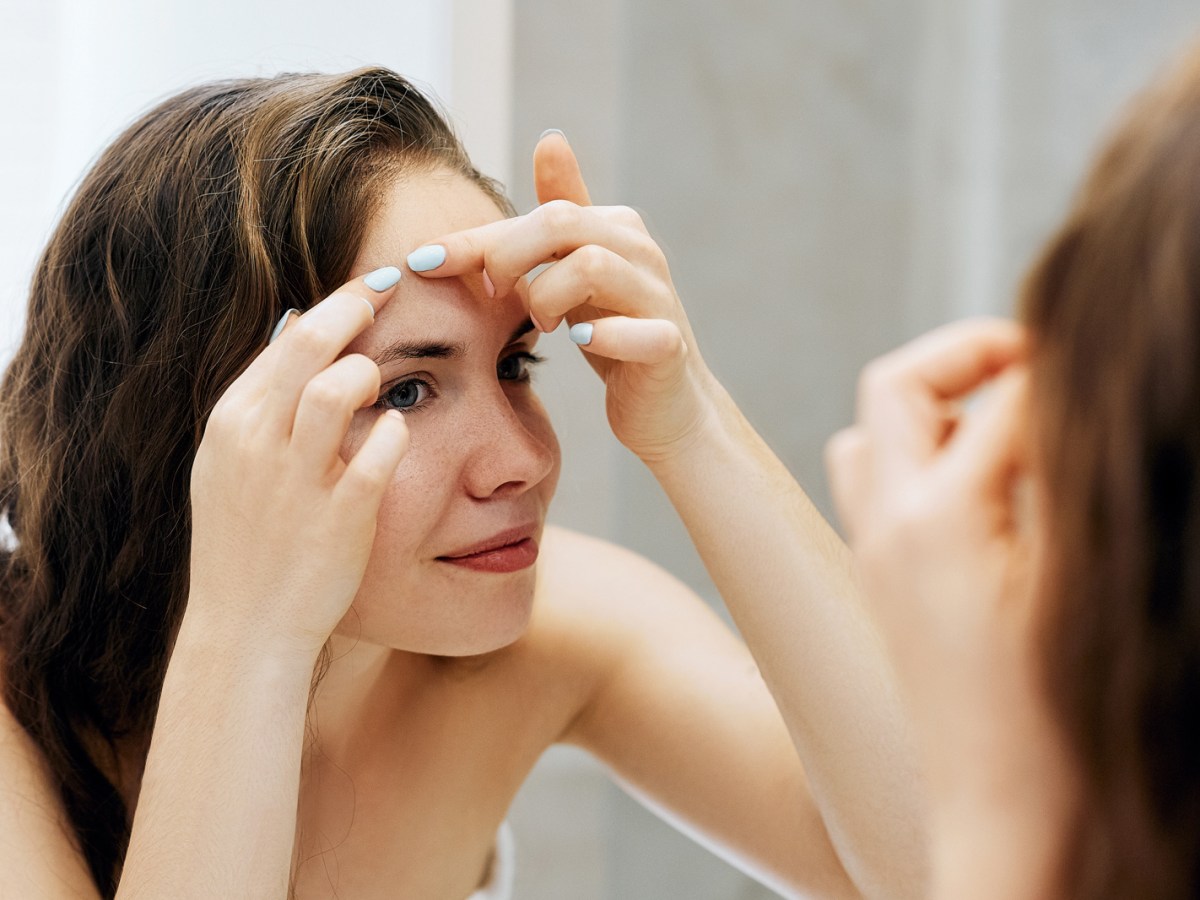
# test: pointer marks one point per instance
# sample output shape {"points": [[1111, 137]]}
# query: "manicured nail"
{"points": [[553, 131], [581, 333], [382, 279], [488, 287], [425, 258], [283, 320]]}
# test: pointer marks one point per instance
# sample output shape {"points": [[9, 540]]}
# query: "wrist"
{"points": [[239, 648], [714, 419]]}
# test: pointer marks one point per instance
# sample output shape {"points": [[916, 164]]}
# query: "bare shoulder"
{"points": [[37, 859], [588, 580], [602, 607]]}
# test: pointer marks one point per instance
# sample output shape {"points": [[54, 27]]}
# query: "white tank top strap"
{"points": [[501, 873]]}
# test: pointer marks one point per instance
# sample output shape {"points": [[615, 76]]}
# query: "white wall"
{"points": [[75, 72]]}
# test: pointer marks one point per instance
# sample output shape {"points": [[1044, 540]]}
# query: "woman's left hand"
{"points": [[926, 492], [610, 281], [946, 526]]}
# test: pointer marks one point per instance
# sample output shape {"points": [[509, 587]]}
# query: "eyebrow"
{"points": [[402, 350]]}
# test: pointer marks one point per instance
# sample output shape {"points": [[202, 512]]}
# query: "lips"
{"points": [[509, 551]]}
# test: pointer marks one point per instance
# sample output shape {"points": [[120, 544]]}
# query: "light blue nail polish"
{"points": [[557, 131], [382, 279], [283, 320], [428, 257], [581, 333]]}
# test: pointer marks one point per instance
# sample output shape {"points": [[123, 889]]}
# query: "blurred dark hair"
{"points": [[1114, 311], [210, 216]]}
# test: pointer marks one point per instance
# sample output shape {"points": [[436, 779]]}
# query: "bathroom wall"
{"points": [[828, 179]]}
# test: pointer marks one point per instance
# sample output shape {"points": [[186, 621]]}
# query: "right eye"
{"points": [[405, 395]]}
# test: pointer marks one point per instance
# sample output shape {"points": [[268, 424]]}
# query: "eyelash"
{"points": [[526, 358]]}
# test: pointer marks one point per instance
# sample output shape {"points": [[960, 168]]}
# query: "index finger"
{"points": [[314, 341], [556, 173], [955, 359], [907, 400], [556, 176]]}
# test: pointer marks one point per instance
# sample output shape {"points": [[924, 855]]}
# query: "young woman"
{"points": [[270, 618], [1036, 562]]}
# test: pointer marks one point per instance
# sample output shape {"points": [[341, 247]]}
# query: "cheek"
{"points": [[413, 501]]}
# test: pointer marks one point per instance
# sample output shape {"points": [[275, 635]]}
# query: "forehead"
{"points": [[420, 207]]}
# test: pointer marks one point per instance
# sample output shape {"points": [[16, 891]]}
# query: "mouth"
{"points": [[509, 551]]}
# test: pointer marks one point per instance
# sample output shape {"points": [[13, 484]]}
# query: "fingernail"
{"points": [[581, 333], [488, 287], [557, 131], [278, 329], [382, 279], [425, 258], [536, 323]]}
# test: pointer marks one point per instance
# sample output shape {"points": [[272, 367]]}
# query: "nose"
{"points": [[511, 450]]}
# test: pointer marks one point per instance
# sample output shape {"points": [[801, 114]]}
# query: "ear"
{"points": [[556, 172]]}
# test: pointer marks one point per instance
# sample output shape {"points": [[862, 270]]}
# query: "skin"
{"points": [[445, 685], [944, 513], [785, 575]]}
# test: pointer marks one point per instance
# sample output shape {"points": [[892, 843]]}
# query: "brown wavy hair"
{"points": [[192, 234], [1114, 311]]}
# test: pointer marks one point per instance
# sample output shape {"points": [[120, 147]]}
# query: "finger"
{"points": [[370, 470], [312, 342], [953, 360], [327, 405], [908, 400], [511, 248], [990, 442], [847, 460], [556, 173], [649, 341], [596, 276]]}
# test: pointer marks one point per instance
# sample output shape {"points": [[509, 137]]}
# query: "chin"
{"points": [[491, 613]]}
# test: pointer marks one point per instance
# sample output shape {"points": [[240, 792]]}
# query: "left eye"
{"points": [[516, 367]]}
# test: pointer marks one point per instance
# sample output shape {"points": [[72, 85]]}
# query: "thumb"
{"points": [[556, 172]]}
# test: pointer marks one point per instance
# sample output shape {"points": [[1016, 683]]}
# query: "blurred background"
{"points": [[828, 180]]}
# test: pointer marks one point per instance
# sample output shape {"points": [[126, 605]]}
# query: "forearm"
{"points": [[216, 815], [787, 579]]}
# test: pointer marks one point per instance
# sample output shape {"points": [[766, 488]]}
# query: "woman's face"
{"points": [[451, 571]]}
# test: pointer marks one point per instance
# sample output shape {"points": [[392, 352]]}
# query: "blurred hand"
{"points": [[948, 554], [610, 281], [282, 526]]}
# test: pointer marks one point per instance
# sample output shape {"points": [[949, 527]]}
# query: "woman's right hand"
{"points": [[609, 280], [282, 525]]}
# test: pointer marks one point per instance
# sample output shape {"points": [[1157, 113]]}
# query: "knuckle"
{"points": [[558, 215], [226, 417], [592, 264], [627, 215], [875, 379], [323, 394], [365, 481], [837, 450], [364, 370], [306, 338]]}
